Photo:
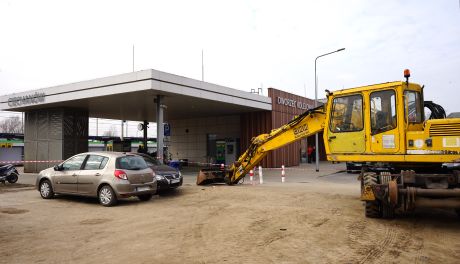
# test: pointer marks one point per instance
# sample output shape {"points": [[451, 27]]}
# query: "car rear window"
{"points": [[130, 163]]}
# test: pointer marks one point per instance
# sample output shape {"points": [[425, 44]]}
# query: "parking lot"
{"points": [[311, 218]]}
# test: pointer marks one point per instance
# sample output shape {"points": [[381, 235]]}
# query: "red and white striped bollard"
{"points": [[283, 173]]}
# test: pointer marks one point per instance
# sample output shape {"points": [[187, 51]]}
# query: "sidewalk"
{"points": [[302, 173]]}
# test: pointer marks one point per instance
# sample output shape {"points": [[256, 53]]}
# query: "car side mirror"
{"points": [[57, 168]]}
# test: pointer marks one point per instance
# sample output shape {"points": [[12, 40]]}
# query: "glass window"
{"points": [[151, 161], [383, 111], [413, 106], [73, 163], [95, 162], [131, 163], [347, 114]]}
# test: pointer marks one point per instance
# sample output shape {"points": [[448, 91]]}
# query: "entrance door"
{"points": [[220, 152], [345, 133], [384, 125], [230, 152]]}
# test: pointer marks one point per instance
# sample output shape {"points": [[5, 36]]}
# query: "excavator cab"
{"points": [[372, 120]]}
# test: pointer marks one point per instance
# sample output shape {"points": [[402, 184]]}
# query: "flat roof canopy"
{"points": [[131, 96]]}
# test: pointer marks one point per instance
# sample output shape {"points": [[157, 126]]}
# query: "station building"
{"points": [[205, 122]]}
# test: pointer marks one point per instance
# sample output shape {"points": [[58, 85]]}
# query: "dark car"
{"points": [[167, 177], [354, 167]]}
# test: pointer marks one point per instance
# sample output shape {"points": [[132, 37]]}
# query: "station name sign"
{"points": [[292, 103], [34, 98]]}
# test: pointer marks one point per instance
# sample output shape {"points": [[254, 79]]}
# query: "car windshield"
{"points": [[130, 163]]}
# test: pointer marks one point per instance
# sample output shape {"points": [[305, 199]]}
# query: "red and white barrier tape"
{"points": [[29, 161], [228, 166]]}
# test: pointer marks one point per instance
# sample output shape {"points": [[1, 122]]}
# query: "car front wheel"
{"points": [[107, 196], [46, 190], [13, 178]]}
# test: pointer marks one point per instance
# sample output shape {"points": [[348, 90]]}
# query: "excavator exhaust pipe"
{"points": [[210, 176]]}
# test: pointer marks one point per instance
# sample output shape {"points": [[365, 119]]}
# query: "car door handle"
{"points": [[97, 174], [74, 175], [332, 137]]}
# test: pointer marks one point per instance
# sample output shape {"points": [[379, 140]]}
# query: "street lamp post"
{"points": [[316, 104]]}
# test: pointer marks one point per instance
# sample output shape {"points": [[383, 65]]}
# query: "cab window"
{"points": [[347, 114], [413, 106], [73, 163], [383, 111]]}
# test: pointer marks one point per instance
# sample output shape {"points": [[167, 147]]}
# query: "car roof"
{"points": [[112, 154]]}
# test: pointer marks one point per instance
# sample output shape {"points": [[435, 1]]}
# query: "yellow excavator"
{"points": [[386, 128]]}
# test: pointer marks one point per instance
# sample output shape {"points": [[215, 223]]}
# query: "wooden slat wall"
{"points": [[281, 114], [253, 124]]}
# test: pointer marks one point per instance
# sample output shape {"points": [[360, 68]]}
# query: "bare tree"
{"points": [[11, 124], [111, 132]]}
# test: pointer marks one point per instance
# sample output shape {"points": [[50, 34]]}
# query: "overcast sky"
{"points": [[246, 43]]}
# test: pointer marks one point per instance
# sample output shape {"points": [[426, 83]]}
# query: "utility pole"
{"points": [[316, 104]]}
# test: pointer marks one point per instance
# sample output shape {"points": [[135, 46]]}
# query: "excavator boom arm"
{"points": [[304, 125]]}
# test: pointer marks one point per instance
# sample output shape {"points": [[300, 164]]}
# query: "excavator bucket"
{"points": [[209, 176]]}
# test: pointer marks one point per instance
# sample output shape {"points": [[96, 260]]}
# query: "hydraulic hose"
{"points": [[437, 111]]}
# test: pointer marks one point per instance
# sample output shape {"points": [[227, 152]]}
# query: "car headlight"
{"points": [[180, 174], [159, 177]]}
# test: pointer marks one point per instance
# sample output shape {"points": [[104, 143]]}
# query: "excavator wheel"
{"points": [[372, 208], [387, 209]]}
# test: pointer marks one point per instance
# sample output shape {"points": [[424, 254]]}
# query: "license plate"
{"points": [[174, 180], [143, 188]]}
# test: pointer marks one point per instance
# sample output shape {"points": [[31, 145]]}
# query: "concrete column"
{"points": [[160, 128], [144, 140], [122, 130], [54, 134]]}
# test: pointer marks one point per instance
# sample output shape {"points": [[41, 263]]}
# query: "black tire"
{"points": [[107, 196], [388, 212], [13, 178], [372, 208], [145, 197], [46, 189]]}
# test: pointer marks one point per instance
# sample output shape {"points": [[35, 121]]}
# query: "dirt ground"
{"points": [[317, 219]]}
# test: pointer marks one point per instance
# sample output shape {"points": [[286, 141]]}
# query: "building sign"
{"points": [[293, 103], [34, 98]]}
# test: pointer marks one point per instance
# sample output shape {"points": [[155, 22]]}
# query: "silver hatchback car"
{"points": [[106, 175]]}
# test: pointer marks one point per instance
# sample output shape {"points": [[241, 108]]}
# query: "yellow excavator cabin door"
{"points": [[384, 127], [345, 131]]}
